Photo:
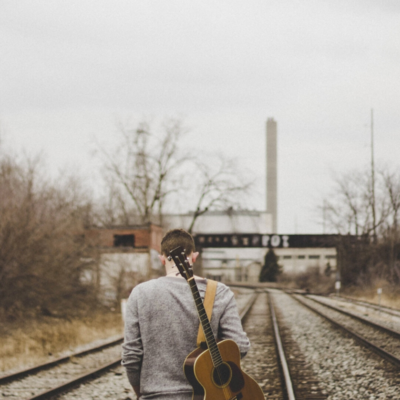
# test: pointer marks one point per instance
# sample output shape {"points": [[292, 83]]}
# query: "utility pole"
{"points": [[373, 175]]}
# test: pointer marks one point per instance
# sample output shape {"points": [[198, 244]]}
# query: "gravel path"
{"points": [[304, 382], [66, 353], [382, 339], [242, 297], [343, 369], [261, 362], [380, 317], [386, 309], [43, 380], [112, 385]]}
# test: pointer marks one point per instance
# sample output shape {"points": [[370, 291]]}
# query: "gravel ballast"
{"points": [[379, 337], [47, 379], [380, 317], [343, 368], [261, 362]]}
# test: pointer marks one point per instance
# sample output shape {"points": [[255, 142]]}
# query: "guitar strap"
{"points": [[209, 297]]}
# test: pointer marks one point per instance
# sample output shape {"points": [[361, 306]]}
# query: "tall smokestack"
{"points": [[272, 173]]}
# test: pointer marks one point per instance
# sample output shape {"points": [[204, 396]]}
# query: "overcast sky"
{"points": [[70, 69]]}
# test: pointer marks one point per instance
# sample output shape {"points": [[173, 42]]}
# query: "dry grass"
{"points": [[311, 280], [390, 293], [35, 341]]}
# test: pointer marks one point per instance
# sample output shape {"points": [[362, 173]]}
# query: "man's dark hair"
{"points": [[175, 238]]}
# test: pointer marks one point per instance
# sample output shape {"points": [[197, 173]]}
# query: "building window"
{"points": [[287, 257], [330, 257], [314, 257], [124, 240], [301, 257]]}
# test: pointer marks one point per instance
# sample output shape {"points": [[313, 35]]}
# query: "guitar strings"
{"points": [[216, 367]]}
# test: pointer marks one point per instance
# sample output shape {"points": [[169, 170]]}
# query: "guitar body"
{"points": [[231, 383]]}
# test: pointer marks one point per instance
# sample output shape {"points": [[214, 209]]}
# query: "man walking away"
{"points": [[161, 326]]}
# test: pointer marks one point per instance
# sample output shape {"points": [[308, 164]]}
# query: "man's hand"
{"points": [[136, 389]]}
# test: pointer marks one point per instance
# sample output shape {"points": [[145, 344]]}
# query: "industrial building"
{"points": [[238, 258], [125, 256], [233, 243]]}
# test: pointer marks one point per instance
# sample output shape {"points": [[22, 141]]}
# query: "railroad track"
{"points": [[378, 338], [274, 359], [284, 367], [51, 378], [382, 309], [298, 378], [48, 379], [262, 362], [322, 300]]}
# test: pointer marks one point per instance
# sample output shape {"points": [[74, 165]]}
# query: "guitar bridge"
{"points": [[237, 397]]}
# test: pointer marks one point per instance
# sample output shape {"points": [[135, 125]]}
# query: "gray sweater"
{"points": [[161, 327]]}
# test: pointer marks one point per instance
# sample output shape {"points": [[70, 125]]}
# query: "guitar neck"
{"points": [[205, 323]]}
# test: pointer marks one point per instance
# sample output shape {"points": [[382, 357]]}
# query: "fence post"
{"points": [[123, 309], [379, 291], [337, 287]]}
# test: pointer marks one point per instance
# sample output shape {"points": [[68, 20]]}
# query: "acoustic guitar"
{"points": [[214, 372]]}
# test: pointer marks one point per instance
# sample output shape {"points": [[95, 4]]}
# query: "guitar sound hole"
{"points": [[222, 375]]}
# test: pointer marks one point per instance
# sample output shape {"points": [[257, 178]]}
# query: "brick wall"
{"points": [[147, 236], [156, 237]]}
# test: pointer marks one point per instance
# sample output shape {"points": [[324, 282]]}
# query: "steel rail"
{"points": [[281, 353], [92, 373], [371, 346], [249, 285], [243, 314], [75, 381], [387, 310], [24, 372], [392, 332]]}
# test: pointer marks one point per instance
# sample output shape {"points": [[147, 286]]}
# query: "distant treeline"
{"points": [[368, 208]]}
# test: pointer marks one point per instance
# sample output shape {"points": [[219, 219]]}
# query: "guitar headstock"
{"points": [[181, 261]]}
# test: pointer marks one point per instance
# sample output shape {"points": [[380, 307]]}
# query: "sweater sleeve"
{"points": [[132, 348], [230, 325]]}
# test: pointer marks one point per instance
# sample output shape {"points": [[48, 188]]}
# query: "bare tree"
{"points": [[390, 230], [147, 173], [370, 212], [392, 186], [349, 208], [140, 172], [217, 185], [41, 246]]}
